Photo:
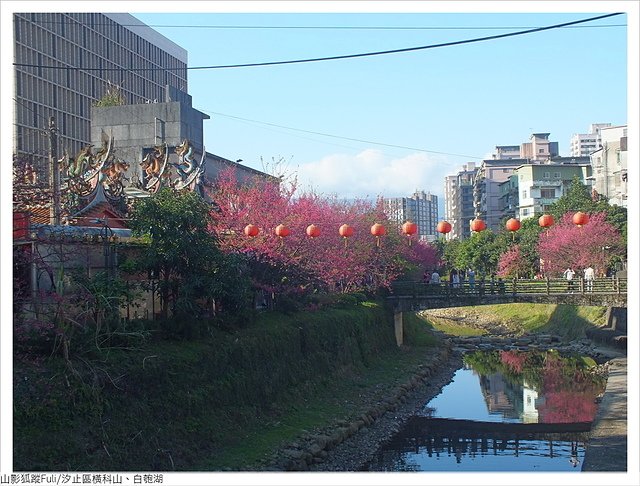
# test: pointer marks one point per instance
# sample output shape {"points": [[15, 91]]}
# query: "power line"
{"points": [[344, 138], [334, 58]]}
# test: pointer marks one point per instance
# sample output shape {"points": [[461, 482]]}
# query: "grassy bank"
{"points": [[566, 321], [224, 401]]}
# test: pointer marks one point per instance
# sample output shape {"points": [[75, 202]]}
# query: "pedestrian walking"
{"points": [[568, 274]]}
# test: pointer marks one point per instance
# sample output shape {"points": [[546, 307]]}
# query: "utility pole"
{"points": [[54, 172]]}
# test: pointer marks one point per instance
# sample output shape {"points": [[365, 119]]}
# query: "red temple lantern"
{"points": [[478, 225], [580, 219], [513, 225], [443, 227], [282, 231], [345, 231], [251, 230], [313, 231], [378, 230], [546, 221], [409, 228]]}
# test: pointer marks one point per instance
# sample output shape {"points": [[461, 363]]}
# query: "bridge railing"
{"points": [[548, 286]]}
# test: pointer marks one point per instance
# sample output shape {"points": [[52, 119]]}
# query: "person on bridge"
{"points": [[589, 275], [568, 274], [471, 277], [435, 278]]}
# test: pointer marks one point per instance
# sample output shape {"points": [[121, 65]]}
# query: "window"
{"points": [[547, 175], [524, 194], [557, 175], [547, 193]]}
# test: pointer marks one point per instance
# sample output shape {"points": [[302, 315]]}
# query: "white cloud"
{"points": [[371, 173]]}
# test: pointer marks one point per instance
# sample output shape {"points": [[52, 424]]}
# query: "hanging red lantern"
{"points": [[282, 231], [546, 221], [478, 225], [580, 219], [378, 230], [313, 231], [513, 224], [443, 227], [409, 228], [251, 230], [345, 231]]}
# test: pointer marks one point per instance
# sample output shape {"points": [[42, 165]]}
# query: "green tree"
{"points": [[481, 252], [181, 252], [577, 198]]}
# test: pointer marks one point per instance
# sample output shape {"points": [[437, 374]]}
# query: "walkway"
{"points": [[607, 446]]}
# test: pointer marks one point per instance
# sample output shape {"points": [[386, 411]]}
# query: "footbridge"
{"points": [[416, 296]]}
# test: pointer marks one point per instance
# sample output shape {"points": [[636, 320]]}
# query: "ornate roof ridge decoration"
{"points": [[91, 179]]}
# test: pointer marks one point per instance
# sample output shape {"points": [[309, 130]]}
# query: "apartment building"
{"points": [[584, 144], [421, 208], [459, 207], [609, 165], [540, 185]]}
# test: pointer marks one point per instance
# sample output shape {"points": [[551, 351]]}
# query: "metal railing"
{"points": [[546, 286]]}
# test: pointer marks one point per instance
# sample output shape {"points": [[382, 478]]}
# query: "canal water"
{"points": [[504, 411]]}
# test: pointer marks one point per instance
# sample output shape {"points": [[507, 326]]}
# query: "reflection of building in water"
{"points": [[500, 396], [529, 399]]}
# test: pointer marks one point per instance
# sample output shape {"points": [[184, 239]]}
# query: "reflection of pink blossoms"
{"points": [[514, 360]]}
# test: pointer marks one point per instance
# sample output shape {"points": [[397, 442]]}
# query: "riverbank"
{"points": [[607, 447]]}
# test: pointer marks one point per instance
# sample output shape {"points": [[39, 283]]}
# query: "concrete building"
{"points": [[507, 152], [540, 185], [459, 207], [420, 207], [610, 165], [487, 191], [64, 64], [539, 148], [509, 197], [584, 144]]}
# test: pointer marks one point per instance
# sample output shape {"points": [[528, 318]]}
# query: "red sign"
{"points": [[21, 223]]}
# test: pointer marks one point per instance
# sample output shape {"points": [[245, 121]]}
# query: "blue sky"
{"points": [[460, 100]]}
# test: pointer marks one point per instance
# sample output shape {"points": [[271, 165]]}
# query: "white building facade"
{"points": [[584, 144], [609, 165]]}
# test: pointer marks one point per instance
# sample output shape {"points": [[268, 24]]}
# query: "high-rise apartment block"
{"points": [[66, 62], [584, 144], [458, 197], [421, 208]]}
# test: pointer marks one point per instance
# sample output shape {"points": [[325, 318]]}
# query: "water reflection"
{"points": [[504, 411]]}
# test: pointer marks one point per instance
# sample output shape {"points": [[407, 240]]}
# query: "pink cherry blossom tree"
{"points": [[565, 244]]}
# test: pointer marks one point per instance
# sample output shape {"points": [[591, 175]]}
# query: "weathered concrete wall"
{"points": [[617, 318]]}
